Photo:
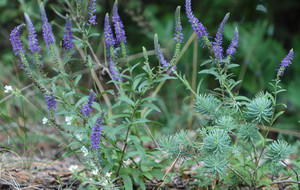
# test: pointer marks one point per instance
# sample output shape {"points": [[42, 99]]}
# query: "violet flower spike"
{"points": [[87, 108], [51, 103], [285, 63], [119, 27], [96, 133], [47, 30], [68, 36], [15, 40], [159, 53], [217, 45], [33, 42], [92, 13], [108, 35], [197, 26], [234, 43], [113, 70], [178, 27]]}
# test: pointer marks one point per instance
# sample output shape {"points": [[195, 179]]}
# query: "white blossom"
{"points": [[108, 174], [95, 172], [73, 168], [84, 150], [78, 137], [104, 182], [7, 89], [69, 120], [45, 120]]}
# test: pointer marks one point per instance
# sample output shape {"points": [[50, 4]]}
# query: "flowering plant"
{"points": [[107, 130]]}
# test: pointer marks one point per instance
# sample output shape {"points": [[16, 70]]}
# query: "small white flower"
{"points": [[108, 174], [104, 182], [79, 137], [45, 120], [288, 161], [73, 168], [95, 172], [7, 89], [69, 120], [84, 150]]}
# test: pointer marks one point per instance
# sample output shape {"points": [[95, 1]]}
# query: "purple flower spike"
{"points": [[285, 63], [92, 11], [68, 36], [47, 30], [96, 134], [159, 54], [87, 108], [232, 47], [109, 38], [33, 42], [15, 40], [217, 45], [51, 103], [178, 27], [198, 27], [119, 27], [115, 73]]}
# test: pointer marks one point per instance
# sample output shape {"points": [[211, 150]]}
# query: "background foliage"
{"points": [[267, 30]]}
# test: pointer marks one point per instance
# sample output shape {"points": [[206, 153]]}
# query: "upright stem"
{"points": [[297, 177]]}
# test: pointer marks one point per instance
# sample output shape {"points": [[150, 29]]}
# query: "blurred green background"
{"points": [[268, 30]]}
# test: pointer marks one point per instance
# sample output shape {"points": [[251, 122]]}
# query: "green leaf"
{"points": [[141, 184], [141, 120], [165, 77], [108, 152], [136, 82], [151, 106], [232, 65], [244, 98], [134, 66], [78, 77], [69, 94], [211, 71], [234, 84], [127, 100], [130, 154], [94, 34], [108, 167], [278, 114], [127, 182], [141, 150], [142, 85], [80, 101], [149, 98], [147, 175], [157, 173], [206, 62], [135, 174]]}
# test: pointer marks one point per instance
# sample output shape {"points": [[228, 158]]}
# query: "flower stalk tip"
{"points": [[50, 100], [234, 43], [92, 11], [197, 26], [96, 133], [119, 27], [68, 36], [15, 40], [285, 63], [109, 38], [159, 53], [33, 42], [87, 108], [217, 44], [47, 30], [178, 27]]}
